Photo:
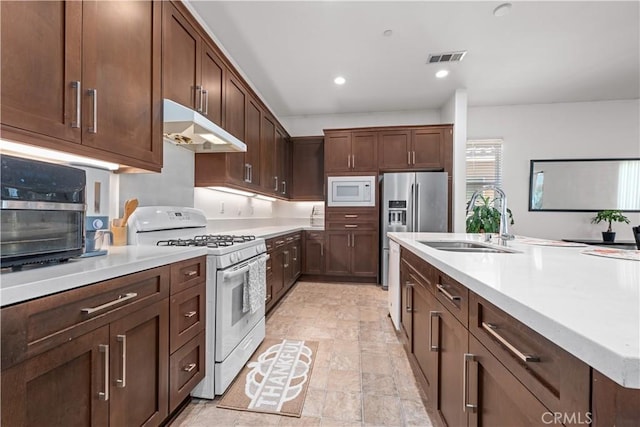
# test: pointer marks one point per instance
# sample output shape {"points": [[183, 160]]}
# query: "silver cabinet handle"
{"points": [[190, 314], [353, 161], [251, 173], [198, 100], [246, 172], [206, 101], [444, 292], [122, 382], [321, 249], [190, 367], [433, 314], [191, 273], [414, 157], [351, 216], [119, 300], [276, 187], [286, 259], [104, 395], [284, 187], [466, 406], [348, 161], [408, 157], [94, 95], [76, 85], [490, 328], [409, 305], [295, 253], [351, 226]]}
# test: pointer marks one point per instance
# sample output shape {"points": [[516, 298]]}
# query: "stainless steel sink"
{"points": [[465, 246]]}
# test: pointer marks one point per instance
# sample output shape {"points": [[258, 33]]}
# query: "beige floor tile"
{"points": [[314, 402], [256, 419], [380, 384], [302, 421], [319, 377], [345, 361], [346, 345], [342, 406], [415, 413], [329, 422], [211, 415], [347, 381], [376, 363], [382, 410]]}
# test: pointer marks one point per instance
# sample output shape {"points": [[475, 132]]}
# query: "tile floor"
{"points": [[361, 375]]}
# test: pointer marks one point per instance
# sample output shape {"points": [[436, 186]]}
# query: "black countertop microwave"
{"points": [[43, 210]]}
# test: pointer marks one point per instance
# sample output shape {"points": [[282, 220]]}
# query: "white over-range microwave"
{"points": [[351, 191]]}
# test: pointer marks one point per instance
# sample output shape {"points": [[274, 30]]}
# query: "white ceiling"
{"points": [[542, 52]]}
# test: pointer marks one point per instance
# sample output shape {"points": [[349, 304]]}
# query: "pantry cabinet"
{"points": [[100, 354], [78, 77]]}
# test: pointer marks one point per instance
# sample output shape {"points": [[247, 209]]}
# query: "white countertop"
{"points": [[272, 231], [588, 305], [38, 281]]}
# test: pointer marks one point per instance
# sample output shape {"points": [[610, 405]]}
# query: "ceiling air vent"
{"points": [[446, 57]]}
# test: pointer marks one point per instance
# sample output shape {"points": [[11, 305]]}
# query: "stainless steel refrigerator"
{"points": [[411, 201]]}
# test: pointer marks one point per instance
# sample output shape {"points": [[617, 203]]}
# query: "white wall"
{"points": [[455, 111], [313, 125], [555, 131]]}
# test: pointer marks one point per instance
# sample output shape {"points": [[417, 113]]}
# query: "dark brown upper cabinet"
{"points": [[413, 148], [76, 77], [350, 151], [307, 168]]}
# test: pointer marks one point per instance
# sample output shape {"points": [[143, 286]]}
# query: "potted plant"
{"points": [[609, 216], [485, 217]]}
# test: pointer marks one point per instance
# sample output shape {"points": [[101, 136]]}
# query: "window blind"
{"points": [[484, 165]]}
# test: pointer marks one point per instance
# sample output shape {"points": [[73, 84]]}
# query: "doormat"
{"points": [[275, 380]]}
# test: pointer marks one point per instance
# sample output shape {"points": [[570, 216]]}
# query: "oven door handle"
{"points": [[234, 273]]}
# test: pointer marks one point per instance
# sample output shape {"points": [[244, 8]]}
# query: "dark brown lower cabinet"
{"points": [[64, 386], [139, 368], [352, 253], [494, 397], [313, 258], [425, 337], [452, 345], [284, 266]]}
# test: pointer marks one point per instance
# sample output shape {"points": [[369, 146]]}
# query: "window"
{"points": [[484, 165]]}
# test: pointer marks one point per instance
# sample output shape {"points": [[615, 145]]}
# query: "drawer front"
{"points": [[314, 235], [352, 215], [557, 378], [33, 327], [186, 370], [187, 315], [454, 296], [185, 274], [424, 270], [351, 225]]}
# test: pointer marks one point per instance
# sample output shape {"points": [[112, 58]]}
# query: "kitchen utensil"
{"points": [[129, 206]]}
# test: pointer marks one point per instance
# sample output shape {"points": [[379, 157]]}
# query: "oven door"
{"points": [[232, 325]]}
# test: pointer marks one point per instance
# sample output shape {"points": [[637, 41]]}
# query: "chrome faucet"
{"points": [[504, 219]]}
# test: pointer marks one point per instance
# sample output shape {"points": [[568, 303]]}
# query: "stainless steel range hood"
{"points": [[192, 130]]}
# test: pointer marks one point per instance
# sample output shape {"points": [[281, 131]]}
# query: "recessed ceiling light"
{"points": [[502, 10], [387, 33], [442, 74], [339, 80]]}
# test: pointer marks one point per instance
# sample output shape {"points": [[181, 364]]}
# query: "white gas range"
{"points": [[233, 334]]}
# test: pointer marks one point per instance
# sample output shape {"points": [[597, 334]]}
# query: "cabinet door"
{"points": [[364, 151], [235, 107], [394, 149], [139, 367], [364, 253], [337, 152], [64, 387], [277, 266], [338, 252], [428, 148], [122, 99], [252, 156], [307, 175], [452, 343], [213, 77], [41, 61], [281, 162], [406, 297], [424, 337], [180, 58], [499, 398], [267, 154], [296, 260], [314, 256]]}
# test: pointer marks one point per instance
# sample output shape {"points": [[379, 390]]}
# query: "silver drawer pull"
{"points": [[279, 242], [351, 226], [447, 294], [190, 314], [119, 300], [351, 216], [191, 273], [432, 315], [190, 367], [490, 328]]}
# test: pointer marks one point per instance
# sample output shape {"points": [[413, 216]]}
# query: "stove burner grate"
{"points": [[208, 240]]}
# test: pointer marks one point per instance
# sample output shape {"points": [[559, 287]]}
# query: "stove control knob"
{"points": [[234, 257]]}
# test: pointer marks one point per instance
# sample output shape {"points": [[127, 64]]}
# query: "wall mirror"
{"points": [[584, 185]]}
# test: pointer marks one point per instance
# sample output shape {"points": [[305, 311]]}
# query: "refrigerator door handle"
{"points": [[412, 200], [417, 207]]}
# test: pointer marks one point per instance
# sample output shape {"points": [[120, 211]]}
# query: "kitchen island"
{"points": [[586, 307]]}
